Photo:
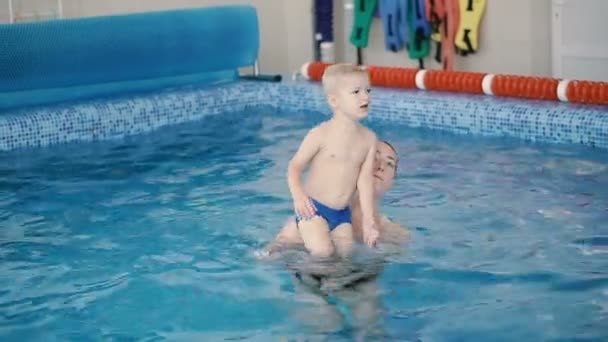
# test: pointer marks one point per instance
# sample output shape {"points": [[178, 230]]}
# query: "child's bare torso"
{"points": [[335, 169]]}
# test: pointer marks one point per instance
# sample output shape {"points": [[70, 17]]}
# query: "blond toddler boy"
{"points": [[340, 156]]}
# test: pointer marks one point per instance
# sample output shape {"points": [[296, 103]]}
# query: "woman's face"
{"points": [[384, 168]]}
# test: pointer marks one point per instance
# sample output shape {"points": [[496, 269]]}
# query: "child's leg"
{"points": [[363, 302], [312, 309], [343, 238], [315, 234]]}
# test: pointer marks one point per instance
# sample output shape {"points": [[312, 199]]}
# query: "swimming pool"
{"points": [[148, 233]]}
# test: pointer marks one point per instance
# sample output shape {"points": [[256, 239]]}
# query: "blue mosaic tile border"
{"points": [[535, 121], [540, 121], [117, 118]]}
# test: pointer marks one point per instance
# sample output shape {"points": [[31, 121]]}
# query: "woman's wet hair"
{"points": [[389, 145]]}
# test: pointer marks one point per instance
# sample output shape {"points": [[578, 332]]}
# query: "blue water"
{"points": [[151, 238]]}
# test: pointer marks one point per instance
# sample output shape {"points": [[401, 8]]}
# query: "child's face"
{"points": [[351, 96]]}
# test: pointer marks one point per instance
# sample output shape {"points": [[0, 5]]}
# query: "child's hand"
{"points": [[370, 233], [303, 206]]}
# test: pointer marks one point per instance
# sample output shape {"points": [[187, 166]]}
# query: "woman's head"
{"points": [[385, 167]]}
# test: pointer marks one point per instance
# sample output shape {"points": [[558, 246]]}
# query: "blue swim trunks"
{"points": [[334, 217]]}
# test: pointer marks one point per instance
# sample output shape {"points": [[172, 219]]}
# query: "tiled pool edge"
{"points": [[540, 121], [120, 117], [480, 115]]}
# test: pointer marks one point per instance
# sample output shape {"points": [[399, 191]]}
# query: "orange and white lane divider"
{"points": [[538, 88]]}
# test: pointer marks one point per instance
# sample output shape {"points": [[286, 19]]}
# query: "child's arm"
{"points": [[307, 150], [365, 185]]}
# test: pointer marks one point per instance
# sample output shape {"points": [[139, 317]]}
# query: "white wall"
{"points": [[580, 43], [515, 34]]}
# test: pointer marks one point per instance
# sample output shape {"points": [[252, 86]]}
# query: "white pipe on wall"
{"points": [[349, 51], [11, 15], [59, 9]]}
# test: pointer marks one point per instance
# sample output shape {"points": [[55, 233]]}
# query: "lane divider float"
{"points": [[504, 85]]}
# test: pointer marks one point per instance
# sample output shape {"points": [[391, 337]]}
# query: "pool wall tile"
{"points": [[536, 121]]}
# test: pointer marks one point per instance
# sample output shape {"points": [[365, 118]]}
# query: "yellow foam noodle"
{"points": [[436, 36], [471, 12]]}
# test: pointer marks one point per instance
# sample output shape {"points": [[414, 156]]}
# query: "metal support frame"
{"points": [[256, 68]]}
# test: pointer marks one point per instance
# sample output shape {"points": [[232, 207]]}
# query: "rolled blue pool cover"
{"points": [[59, 60]]}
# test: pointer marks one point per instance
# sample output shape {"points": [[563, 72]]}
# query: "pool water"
{"points": [[152, 238]]}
